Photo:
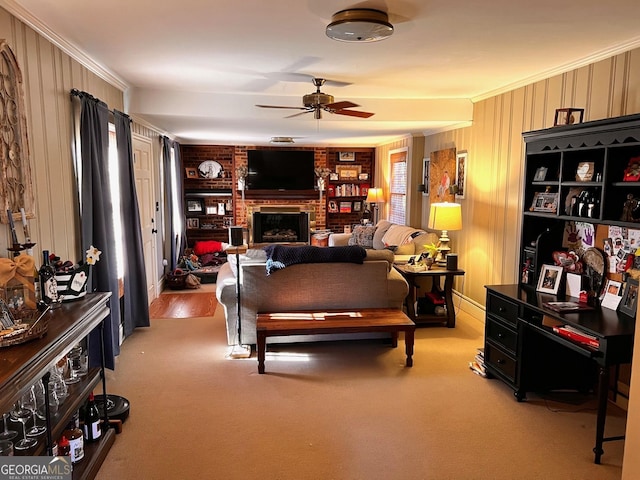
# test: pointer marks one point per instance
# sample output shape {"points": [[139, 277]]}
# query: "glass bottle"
{"points": [[92, 431], [48, 283], [76, 442]]}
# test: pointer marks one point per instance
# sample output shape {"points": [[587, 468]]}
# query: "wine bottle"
{"points": [[48, 283], [76, 442], [91, 426]]}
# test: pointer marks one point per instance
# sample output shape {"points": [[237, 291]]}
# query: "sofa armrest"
{"points": [[339, 239]]}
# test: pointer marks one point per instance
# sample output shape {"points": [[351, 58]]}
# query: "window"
{"points": [[398, 194]]}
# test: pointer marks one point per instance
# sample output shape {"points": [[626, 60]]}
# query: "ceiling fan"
{"points": [[317, 102]]}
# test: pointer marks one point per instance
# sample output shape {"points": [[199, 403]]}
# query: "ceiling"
{"points": [[196, 69]]}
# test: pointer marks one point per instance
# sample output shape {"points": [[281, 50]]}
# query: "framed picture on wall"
{"points": [[347, 156], [426, 164], [194, 206]]}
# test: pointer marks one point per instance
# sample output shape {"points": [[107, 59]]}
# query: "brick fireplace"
{"points": [[280, 223]]}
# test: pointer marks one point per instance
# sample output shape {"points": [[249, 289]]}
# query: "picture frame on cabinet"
{"points": [[584, 172], [629, 301], [332, 206], [211, 210], [568, 116], [541, 174], [363, 176], [194, 206], [357, 206], [550, 279], [544, 202], [345, 207], [193, 223], [191, 172], [461, 173], [347, 156], [350, 172]]}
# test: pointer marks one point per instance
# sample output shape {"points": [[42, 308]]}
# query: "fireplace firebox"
{"points": [[280, 227]]}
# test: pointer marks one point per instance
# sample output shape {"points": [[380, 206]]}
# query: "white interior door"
{"points": [[143, 171]]}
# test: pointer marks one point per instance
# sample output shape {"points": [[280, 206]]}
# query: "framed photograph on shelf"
{"points": [[363, 176], [541, 174], [191, 172], [461, 172], [333, 176], [350, 172], [332, 206], [568, 116], [194, 206], [347, 156], [629, 301], [357, 206], [345, 207], [544, 202], [584, 172], [550, 279], [193, 223]]}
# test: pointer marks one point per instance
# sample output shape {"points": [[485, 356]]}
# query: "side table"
{"points": [[435, 274]]}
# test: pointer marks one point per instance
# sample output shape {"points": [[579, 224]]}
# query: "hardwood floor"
{"points": [[200, 302]]}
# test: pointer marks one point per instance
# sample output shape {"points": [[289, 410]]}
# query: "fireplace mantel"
{"points": [[280, 194]]}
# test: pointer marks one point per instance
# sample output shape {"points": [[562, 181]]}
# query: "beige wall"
{"points": [[49, 75]]}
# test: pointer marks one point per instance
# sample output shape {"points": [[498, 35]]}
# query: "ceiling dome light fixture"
{"points": [[281, 140], [359, 25]]}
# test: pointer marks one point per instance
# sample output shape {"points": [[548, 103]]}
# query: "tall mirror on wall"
{"points": [[16, 191]]}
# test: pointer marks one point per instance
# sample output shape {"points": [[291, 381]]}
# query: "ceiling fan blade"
{"points": [[280, 106], [298, 114], [340, 105], [353, 113]]}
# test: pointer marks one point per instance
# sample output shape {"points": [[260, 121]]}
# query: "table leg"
{"points": [[448, 300], [394, 339], [411, 299], [603, 388], [408, 343], [262, 348]]}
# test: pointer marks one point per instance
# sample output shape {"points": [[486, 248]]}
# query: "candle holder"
{"points": [[16, 248]]}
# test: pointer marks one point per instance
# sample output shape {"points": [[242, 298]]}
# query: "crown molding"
{"points": [[70, 49], [593, 58]]}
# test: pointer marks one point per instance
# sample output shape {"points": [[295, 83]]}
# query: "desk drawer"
{"points": [[500, 361], [502, 308], [502, 335]]}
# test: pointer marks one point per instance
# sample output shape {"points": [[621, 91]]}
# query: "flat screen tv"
{"points": [[280, 170]]}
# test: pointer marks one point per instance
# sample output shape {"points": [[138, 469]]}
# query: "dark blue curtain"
{"points": [[178, 239], [96, 214], [135, 304]]}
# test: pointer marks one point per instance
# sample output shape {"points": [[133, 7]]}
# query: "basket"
{"points": [[176, 281], [33, 324]]}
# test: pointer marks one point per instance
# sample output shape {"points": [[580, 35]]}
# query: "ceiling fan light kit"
{"points": [[281, 140], [359, 25]]}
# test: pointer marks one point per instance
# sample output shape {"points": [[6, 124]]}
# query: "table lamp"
{"points": [[236, 239], [444, 216], [375, 196]]}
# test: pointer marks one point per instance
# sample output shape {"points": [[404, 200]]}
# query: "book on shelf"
{"points": [[567, 306], [577, 335]]}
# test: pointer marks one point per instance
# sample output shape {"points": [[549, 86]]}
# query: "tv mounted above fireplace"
{"points": [[280, 170]]}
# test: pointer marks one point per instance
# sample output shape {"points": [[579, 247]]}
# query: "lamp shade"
{"points": [[375, 195], [445, 216]]}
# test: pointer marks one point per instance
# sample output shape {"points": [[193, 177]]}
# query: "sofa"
{"points": [[402, 240], [306, 286]]}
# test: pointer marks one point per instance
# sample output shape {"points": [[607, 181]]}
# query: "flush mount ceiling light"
{"points": [[359, 25], [281, 140]]}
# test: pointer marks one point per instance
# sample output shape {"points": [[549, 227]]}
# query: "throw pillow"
{"points": [[381, 229], [362, 235]]}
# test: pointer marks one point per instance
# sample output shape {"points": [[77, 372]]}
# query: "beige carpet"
{"points": [[339, 411]]}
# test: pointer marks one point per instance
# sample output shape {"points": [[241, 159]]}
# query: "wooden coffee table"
{"points": [[335, 321]]}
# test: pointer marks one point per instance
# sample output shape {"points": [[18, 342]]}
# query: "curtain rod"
{"points": [[77, 93]]}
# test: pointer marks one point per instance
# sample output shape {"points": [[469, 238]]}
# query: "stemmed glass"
{"points": [[28, 401], [21, 414], [7, 434]]}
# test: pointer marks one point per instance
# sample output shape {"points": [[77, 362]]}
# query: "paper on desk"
{"points": [[611, 301], [574, 285]]}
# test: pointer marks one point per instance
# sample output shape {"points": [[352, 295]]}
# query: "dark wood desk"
{"points": [[435, 274], [522, 349]]}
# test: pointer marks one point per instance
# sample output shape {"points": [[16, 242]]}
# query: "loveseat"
{"points": [[306, 286], [402, 240]]}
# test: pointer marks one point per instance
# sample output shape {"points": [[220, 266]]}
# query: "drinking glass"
{"points": [[73, 365], [57, 384], [28, 401], [6, 448], [7, 434], [21, 415]]}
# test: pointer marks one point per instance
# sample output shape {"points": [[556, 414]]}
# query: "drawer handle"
{"points": [[502, 309], [500, 335], [501, 362]]}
